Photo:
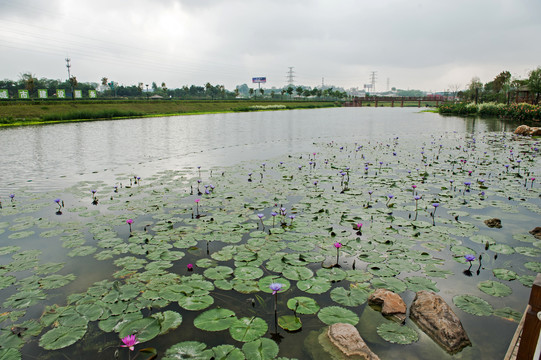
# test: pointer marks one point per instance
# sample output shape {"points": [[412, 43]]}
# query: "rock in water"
{"points": [[437, 320], [536, 232], [346, 338], [527, 130], [390, 302], [493, 223]]}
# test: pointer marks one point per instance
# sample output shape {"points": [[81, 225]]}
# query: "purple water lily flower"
{"points": [[275, 287]]}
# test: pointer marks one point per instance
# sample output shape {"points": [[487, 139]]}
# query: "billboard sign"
{"points": [[4, 94], [23, 94], [78, 94], [42, 93], [259, 80], [61, 93], [92, 94]]}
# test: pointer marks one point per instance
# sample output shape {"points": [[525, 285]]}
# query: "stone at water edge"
{"points": [[527, 130], [346, 338], [435, 317], [493, 223], [391, 303], [536, 232]]}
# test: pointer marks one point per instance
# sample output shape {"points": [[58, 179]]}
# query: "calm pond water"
{"points": [[88, 249], [55, 155]]}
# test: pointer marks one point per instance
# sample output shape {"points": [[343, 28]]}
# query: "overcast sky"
{"points": [[430, 45]]}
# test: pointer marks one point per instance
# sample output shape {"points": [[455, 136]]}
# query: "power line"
{"points": [[373, 75]]}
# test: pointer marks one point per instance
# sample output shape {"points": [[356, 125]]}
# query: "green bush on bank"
{"points": [[520, 111]]}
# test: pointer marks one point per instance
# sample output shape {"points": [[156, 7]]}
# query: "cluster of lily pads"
{"points": [[170, 265]]}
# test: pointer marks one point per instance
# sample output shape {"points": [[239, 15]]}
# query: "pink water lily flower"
{"points": [[130, 341], [337, 245]]}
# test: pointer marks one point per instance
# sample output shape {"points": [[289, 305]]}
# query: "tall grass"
{"points": [[102, 114]]}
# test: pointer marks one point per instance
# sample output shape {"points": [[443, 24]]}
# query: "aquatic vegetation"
{"points": [[210, 271]]}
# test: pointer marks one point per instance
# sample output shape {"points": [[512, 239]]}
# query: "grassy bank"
{"points": [[519, 112], [15, 113]]}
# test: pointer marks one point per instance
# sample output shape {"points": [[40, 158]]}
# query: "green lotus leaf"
{"points": [[194, 350], [336, 314], [248, 329], [381, 270], [397, 334], [508, 314], [315, 285], [389, 283], [533, 266], [303, 305], [56, 281], [355, 296], [92, 312], [61, 337], [418, 283], [494, 288], [261, 349], [502, 249], [8, 249], [358, 276], [245, 286], [116, 322], [297, 273], [21, 234], [49, 268], [24, 299], [289, 322], [403, 265], [145, 329], [333, 274], [482, 239], [10, 354], [227, 352], [505, 274], [248, 273], [215, 319], [526, 280], [82, 251], [528, 251], [206, 263], [6, 281], [169, 320], [432, 271], [218, 272], [195, 303], [473, 305]]}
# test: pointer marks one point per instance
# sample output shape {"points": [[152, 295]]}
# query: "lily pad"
{"points": [[248, 329], [336, 314], [188, 350], [289, 322], [215, 319], [145, 329], [494, 288], [303, 305], [397, 334], [473, 305], [61, 337], [261, 349]]}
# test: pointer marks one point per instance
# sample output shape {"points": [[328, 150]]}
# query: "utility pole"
{"points": [[68, 65], [373, 81], [322, 83], [290, 76]]}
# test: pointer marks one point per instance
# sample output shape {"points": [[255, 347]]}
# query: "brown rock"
{"points": [[391, 303], [536, 232], [493, 223], [522, 130], [438, 321], [346, 338], [525, 130]]}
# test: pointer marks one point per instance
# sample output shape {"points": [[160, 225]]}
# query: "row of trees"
{"points": [[504, 89]]}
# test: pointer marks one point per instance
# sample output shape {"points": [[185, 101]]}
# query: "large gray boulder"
{"points": [[347, 339], [437, 320]]}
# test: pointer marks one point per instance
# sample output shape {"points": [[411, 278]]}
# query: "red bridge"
{"points": [[376, 101]]}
